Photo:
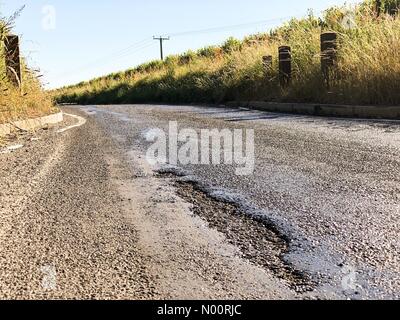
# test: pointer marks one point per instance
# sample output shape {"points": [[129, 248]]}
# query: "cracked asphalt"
{"points": [[85, 205], [60, 212]]}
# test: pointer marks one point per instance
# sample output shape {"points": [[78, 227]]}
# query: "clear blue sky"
{"points": [[86, 38]]}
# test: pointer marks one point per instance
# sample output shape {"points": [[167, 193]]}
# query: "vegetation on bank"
{"points": [[28, 101], [368, 66]]}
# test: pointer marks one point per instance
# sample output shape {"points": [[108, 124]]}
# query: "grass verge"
{"points": [[368, 67], [28, 101]]}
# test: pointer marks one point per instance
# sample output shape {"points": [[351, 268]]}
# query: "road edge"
{"points": [[30, 124], [326, 110]]}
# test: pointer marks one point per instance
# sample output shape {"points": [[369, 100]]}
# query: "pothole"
{"points": [[258, 240]]}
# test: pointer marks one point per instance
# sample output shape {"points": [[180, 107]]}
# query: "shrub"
{"points": [[231, 45]]}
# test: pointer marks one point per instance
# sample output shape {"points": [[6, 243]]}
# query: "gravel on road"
{"points": [[84, 216], [330, 186]]}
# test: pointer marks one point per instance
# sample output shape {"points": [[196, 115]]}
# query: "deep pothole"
{"points": [[258, 240]]}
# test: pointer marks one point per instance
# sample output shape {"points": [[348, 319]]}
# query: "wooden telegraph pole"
{"points": [[161, 39]]}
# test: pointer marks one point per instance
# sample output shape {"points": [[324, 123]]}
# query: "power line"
{"points": [[145, 43], [135, 50], [127, 50], [234, 26], [127, 54], [227, 28], [115, 55], [121, 55], [211, 30]]}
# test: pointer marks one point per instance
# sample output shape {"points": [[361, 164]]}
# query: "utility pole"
{"points": [[161, 39]]}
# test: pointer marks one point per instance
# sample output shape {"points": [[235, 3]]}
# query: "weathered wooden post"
{"points": [[12, 57], [285, 65], [328, 56], [267, 63], [378, 6]]}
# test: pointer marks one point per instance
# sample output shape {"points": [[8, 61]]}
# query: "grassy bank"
{"points": [[368, 66], [28, 101]]}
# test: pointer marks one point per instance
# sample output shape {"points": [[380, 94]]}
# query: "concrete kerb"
{"points": [[30, 124], [328, 110]]}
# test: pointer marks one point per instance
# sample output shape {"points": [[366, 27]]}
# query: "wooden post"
{"points": [[328, 56], [12, 57], [267, 63], [378, 6], [285, 65]]}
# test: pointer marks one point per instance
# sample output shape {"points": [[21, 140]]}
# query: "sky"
{"points": [[76, 40]]}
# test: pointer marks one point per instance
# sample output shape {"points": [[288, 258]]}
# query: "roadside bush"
{"points": [[231, 45]]}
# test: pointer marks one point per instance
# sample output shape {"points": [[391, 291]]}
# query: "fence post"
{"points": [[285, 65], [328, 56], [267, 63], [378, 6], [12, 57]]}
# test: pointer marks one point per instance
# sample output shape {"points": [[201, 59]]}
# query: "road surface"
{"points": [[84, 215]]}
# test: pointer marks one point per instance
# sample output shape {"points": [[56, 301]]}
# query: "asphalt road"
{"points": [[83, 214]]}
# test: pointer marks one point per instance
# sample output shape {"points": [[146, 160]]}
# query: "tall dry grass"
{"points": [[30, 100], [368, 66]]}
